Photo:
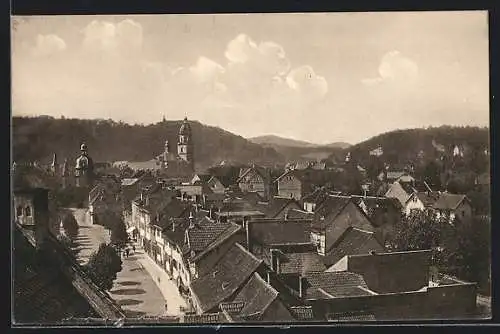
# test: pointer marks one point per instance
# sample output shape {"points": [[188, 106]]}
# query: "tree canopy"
{"points": [[103, 266]]}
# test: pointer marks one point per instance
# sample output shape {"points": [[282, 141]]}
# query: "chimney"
{"points": [[268, 278], [191, 220], [210, 212], [249, 239], [173, 225], [302, 281], [275, 260], [372, 252], [286, 215]]}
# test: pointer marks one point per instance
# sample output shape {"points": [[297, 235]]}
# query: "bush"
{"points": [[103, 266]]}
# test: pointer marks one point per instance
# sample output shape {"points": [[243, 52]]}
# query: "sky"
{"points": [[322, 77]]}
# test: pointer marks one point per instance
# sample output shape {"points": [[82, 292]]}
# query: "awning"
{"points": [[131, 229]]}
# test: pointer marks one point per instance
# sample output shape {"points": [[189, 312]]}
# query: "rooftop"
{"points": [[229, 274]]}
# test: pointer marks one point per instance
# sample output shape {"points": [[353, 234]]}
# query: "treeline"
{"points": [[38, 138]]}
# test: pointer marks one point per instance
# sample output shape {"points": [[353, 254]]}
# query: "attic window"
{"points": [[19, 211], [225, 285], [215, 273], [27, 211]]}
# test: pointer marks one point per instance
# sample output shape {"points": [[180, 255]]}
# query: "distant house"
{"points": [[443, 204], [312, 200], [400, 191], [333, 218], [217, 186], [256, 179], [299, 183]]}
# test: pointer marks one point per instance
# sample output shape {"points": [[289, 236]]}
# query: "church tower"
{"points": [[84, 169], [185, 144]]}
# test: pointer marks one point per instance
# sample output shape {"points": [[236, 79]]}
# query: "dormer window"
{"points": [[225, 285], [27, 211]]}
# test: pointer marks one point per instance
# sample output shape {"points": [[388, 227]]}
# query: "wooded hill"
{"points": [[38, 138], [417, 146]]}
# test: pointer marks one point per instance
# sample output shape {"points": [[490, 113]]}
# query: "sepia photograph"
{"points": [[264, 168]]}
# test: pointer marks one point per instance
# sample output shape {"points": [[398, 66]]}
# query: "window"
{"points": [[27, 211], [19, 211]]}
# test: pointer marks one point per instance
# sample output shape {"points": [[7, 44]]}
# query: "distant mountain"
{"points": [[338, 145], [38, 138], [272, 140]]}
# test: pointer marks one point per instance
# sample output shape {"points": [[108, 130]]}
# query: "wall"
{"points": [[445, 302], [254, 182], [393, 272], [23, 202], [290, 187], [351, 215], [463, 211], [414, 204]]}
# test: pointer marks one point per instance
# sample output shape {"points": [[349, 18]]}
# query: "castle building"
{"points": [[84, 168]]}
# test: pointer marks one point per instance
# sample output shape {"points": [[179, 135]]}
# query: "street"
{"points": [[142, 288]]}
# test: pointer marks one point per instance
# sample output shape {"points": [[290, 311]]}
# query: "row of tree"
{"points": [[461, 249]]}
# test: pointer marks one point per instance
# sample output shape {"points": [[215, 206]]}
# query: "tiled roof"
{"points": [[447, 201], [217, 239], [427, 198], [336, 284], [278, 204], [310, 176], [173, 209], [205, 231], [394, 175], [204, 177], [42, 294], [232, 307], [263, 172], [292, 263], [144, 165], [280, 231], [351, 316], [256, 295], [129, 182], [227, 276], [375, 204], [352, 242], [329, 209]]}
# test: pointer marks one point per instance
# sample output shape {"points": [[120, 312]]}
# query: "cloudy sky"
{"points": [[314, 77]]}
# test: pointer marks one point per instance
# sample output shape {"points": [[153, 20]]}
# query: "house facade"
{"points": [[256, 179]]}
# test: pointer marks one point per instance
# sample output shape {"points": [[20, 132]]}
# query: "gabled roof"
{"points": [[205, 231], [375, 205], [328, 285], [427, 198], [256, 296], [129, 181], [173, 209], [279, 231], [299, 263], [203, 177], [331, 207], [229, 274], [278, 204], [309, 175], [447, 201], [352, 242], [263, 172]]}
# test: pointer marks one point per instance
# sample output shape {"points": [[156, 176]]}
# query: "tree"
{"points": [[119, 235], [70, 226], [471, 260], [420, 230], [103, 266]]}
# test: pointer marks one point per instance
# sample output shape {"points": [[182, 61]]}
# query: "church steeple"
{"points": [[184, 144]]}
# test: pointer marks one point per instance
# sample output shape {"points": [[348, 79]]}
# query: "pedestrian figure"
{"points": [[133, 247], [126, 252]]}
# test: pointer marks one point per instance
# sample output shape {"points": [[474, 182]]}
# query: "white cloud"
{"points": [[47, 45], [206, 70], [125, 37], [304, 80], [394, 67]]}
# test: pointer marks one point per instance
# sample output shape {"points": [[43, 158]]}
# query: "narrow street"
{"points": [[142, 288]]}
